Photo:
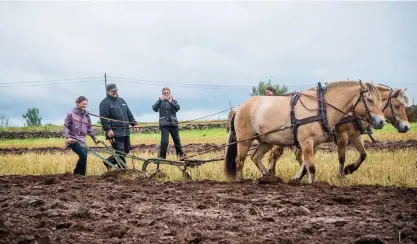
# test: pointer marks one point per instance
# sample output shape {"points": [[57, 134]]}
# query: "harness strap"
{"points": [[323, 111], [294, 122], [321, 116]]}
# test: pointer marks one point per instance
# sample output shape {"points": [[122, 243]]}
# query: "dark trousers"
{"points": [[81, 166], [165, 131], [121, 144]]}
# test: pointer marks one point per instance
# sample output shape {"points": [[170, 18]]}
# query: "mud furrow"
{"points": [[117, 208]]}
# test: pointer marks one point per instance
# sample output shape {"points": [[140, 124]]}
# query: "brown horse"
{"points": [[269, 120], [393, 107]]}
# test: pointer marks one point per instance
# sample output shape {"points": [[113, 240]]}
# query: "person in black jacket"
{"points": [[168, 107], [116, 120]]}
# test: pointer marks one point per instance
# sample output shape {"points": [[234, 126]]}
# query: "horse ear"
{"points": [[402, 97], [396, 93]]}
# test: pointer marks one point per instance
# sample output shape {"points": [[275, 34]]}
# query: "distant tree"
{"points": [[411, 113], [4, 121], [260, 89], [32, 117]]}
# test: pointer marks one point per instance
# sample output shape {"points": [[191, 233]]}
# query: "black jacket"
{"points": [[167, 112], [116, 108]]}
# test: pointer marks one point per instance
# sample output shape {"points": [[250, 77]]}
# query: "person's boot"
{"points": [[181, 156]]}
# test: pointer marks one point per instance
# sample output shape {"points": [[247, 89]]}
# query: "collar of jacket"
{"points": [[78, 111], [112, 98]]}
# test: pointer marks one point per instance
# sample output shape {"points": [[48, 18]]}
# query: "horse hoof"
{"points": [[348, 170], [269, 179], [341, 176]]}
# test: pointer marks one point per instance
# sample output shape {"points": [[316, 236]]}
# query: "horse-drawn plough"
{"points": [[364, 105], [182, 164]]}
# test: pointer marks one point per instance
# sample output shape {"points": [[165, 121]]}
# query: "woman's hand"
{"points": [[69, 140]]}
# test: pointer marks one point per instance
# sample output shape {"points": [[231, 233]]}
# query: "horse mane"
{"points": [[402, 97], [397, 93], [373, 90], [351, 83], [337, 84]]}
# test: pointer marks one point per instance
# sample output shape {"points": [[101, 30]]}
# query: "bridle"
{"points": [[361, 97], [395, 121]]}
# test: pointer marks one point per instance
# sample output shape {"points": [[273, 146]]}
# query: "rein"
{"points": [[395, 121]]}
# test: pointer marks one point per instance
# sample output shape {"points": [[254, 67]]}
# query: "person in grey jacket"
{"points": [[168, 107], [116, 120]]}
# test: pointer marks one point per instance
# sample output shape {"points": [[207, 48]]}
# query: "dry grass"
{"points": [[397, 168]]}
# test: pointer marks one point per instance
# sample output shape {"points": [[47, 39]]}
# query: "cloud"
{"points": [[172, 43]]}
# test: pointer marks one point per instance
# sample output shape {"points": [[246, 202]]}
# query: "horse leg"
{"points": [[308, 163], [358, 143], [242, 151], [259, 154], [299, 158], [276, 153], [342, 140]]}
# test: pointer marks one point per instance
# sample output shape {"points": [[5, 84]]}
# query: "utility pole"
{"points": [[230, 104], [105, 82]]}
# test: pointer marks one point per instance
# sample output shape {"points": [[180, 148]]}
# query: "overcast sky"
{"points": [[172, 43]]}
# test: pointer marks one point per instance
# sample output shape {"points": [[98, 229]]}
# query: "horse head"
{"points": [[394, 110], [368, 105]]}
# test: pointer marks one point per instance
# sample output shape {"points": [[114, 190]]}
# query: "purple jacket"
{"points": [[75, 129]]}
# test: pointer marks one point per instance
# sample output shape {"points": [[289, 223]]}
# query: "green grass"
{"points": [[388, 128], [59, 127]]}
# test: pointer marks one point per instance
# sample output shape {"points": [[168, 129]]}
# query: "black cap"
{"points": [[111, 87]]}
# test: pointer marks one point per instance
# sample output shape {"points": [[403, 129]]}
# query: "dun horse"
{"points": [[349, 129], [293, 120]]}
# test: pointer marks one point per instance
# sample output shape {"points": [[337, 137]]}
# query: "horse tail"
{"points": [[231, 151]]}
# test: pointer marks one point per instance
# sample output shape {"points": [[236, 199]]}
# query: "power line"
{"points": [[215, 86], [48, 81], [176, 84], [152, 82], [50, 84]]}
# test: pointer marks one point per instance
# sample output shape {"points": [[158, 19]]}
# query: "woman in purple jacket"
{"points": [[77, 125]]}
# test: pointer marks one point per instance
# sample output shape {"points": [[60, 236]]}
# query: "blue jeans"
{"points": [[81, 166]]}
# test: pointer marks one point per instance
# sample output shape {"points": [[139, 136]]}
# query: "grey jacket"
{"points": [[167, 112], [116, 108]]}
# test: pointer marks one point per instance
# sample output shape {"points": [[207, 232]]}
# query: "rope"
{"points": [[182, 122]]}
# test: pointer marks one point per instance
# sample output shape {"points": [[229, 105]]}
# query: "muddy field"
{"points": [[137, 209], [200, 147]]}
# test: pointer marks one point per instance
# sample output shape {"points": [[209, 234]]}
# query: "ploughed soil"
{"points": [[128, 207], [200, 147]]}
